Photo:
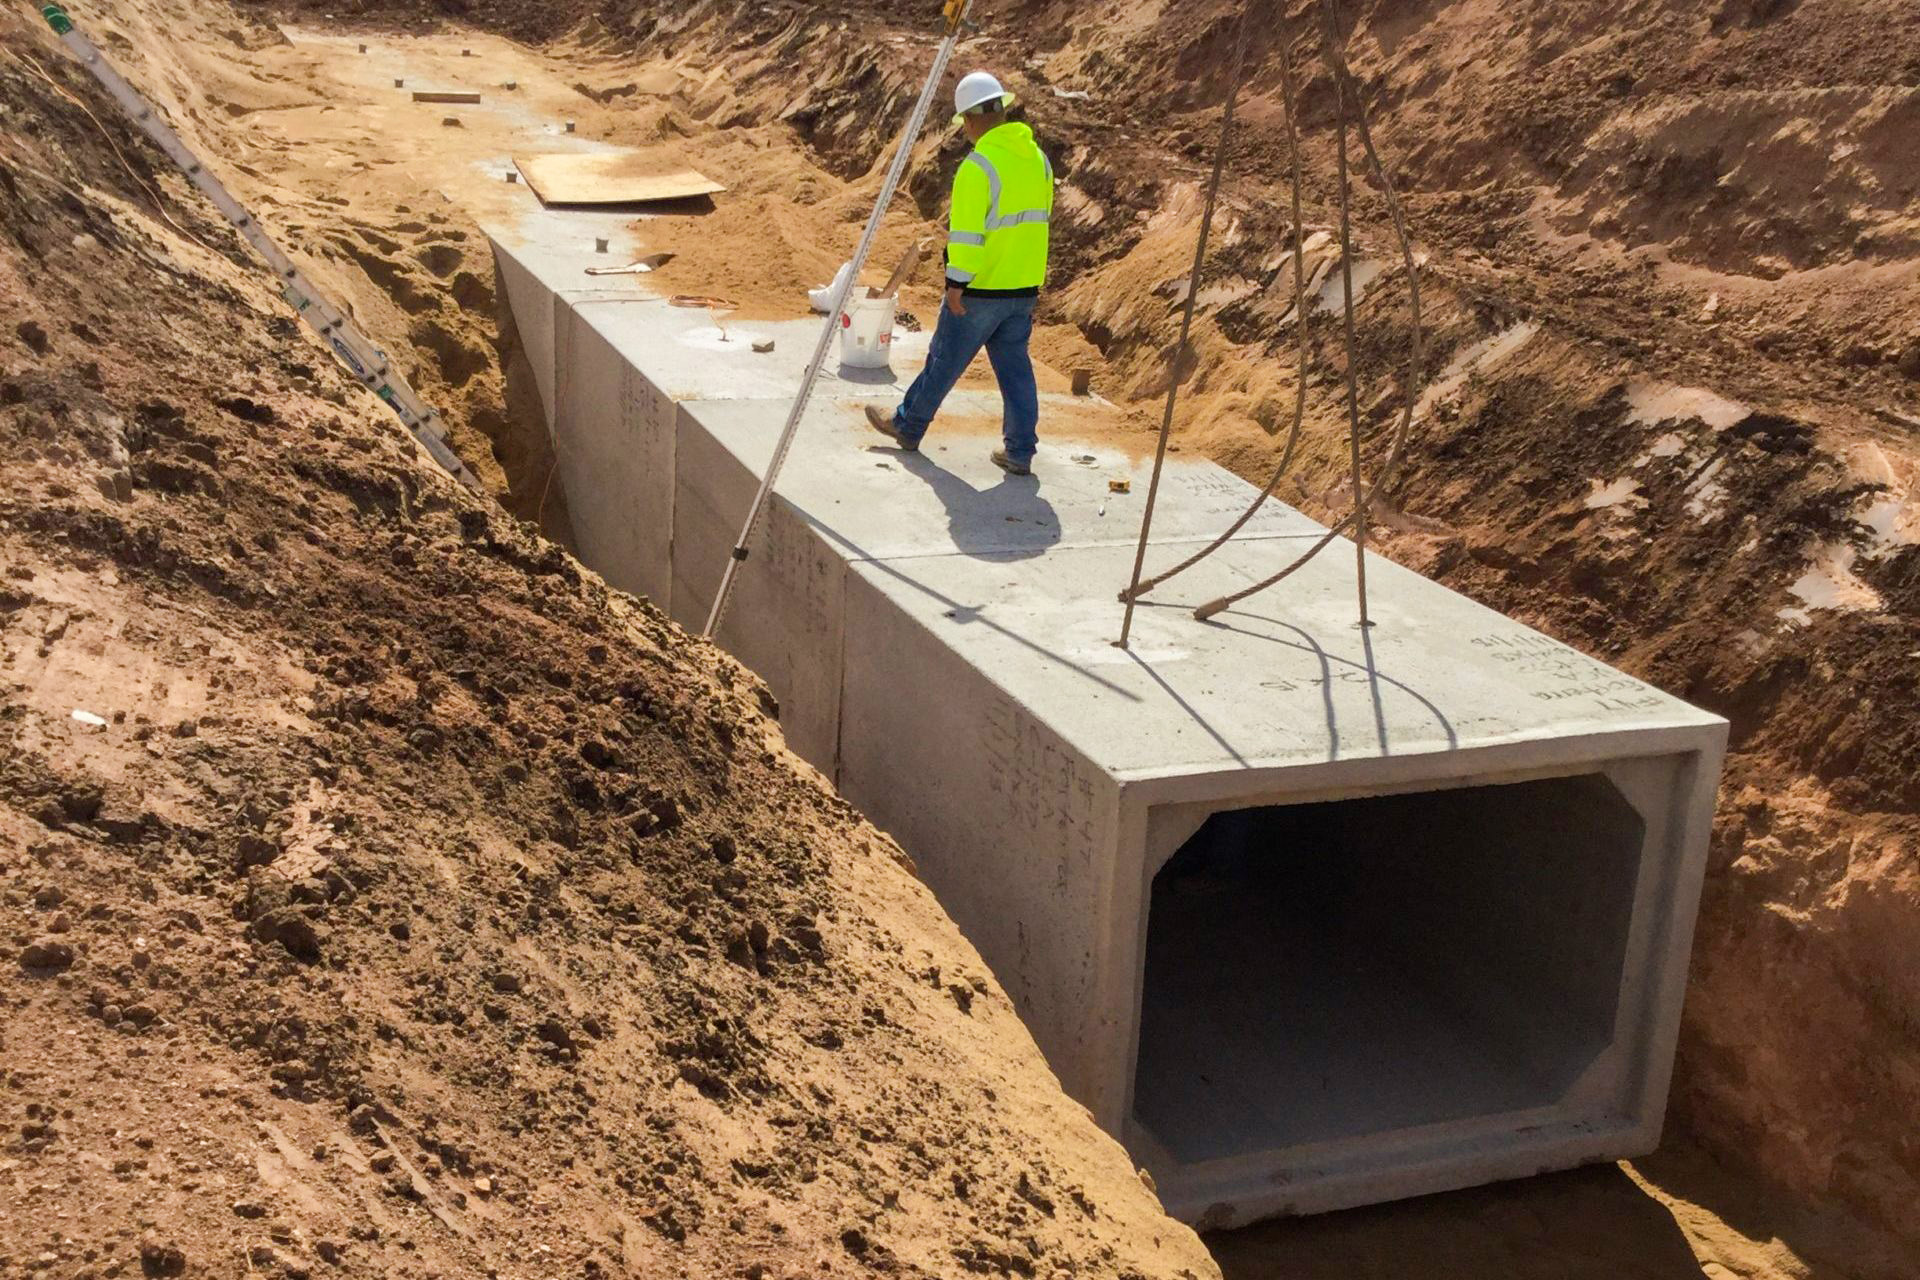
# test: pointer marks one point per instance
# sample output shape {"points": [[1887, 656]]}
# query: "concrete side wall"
{"points": [[614, 437], [786, 617], [1678, 805], [712, 490], [1012, 829], [533, 304]]}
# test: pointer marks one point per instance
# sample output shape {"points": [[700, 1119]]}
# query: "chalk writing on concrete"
{"points": [[793, 558], [1213, 492], [1042, 786], [644, 409], [1314, 682], [1549, 671]]}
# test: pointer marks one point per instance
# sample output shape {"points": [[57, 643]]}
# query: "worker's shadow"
{"points": [[1009, 521]]}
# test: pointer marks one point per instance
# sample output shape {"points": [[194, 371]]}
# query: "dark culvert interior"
{"points": [[1321, 972]]}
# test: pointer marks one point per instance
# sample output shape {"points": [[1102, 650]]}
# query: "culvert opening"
{"points": [[1326, 972]]}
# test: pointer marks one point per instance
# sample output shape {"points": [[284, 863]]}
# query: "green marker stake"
{"points": [[57, 19]]}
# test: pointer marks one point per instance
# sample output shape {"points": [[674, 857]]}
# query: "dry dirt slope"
{"points": [[420, 908]]}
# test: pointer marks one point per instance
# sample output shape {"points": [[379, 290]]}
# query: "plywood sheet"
{"points": [[610, 177]]}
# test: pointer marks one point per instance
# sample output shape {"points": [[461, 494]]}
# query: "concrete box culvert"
{"points": [[1461, 1058], [1342, 968], [1341, 995], [1310, 917]]}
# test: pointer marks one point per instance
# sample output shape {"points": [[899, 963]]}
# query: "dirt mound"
{"points": [[383, 893]]}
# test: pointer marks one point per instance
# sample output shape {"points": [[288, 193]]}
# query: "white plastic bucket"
{"points": [[866, 333]]}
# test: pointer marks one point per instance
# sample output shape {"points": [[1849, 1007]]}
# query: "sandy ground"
{"points": [[1666, 416]]}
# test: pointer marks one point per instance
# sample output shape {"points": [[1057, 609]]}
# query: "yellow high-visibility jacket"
{"points": [[997, 224]]}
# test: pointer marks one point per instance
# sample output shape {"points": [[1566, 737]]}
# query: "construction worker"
{"points": [[996, 262]]}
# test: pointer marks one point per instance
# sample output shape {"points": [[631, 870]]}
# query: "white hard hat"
{"points": [[977, 88]]}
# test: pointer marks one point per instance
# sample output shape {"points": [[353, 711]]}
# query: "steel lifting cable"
{"points": [[1353, 356], [1332, 53], [1130, 595], [955, 14], [1300, 333]]}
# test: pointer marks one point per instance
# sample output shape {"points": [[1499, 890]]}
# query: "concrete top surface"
{"points": [[873, 501], [557, 246], [1020, 575], [1284, 678], [691, 355]]}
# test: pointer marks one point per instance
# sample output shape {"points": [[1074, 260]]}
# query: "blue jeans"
{"points": [[1002, 326]]}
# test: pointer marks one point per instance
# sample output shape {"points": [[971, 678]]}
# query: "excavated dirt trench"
{"points": [[1671, 426]]}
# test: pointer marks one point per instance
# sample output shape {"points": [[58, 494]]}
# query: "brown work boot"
{"points": [[882, 421], [1008, 465]]}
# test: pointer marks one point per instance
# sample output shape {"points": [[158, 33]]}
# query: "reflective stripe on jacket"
{"points": [[1002, 203]]}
